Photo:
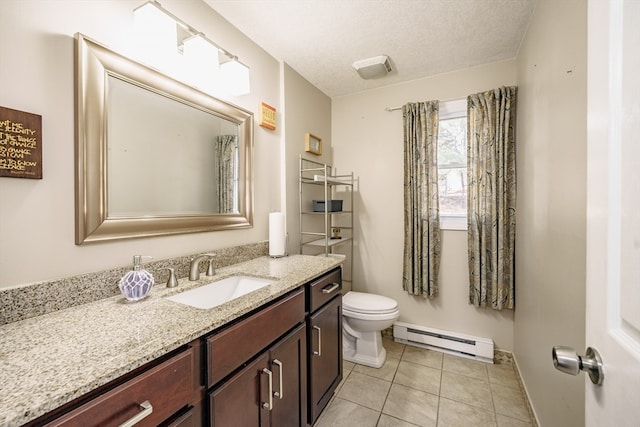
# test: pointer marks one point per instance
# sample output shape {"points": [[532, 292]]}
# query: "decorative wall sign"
{"points": [[267, 116], [20, 144]]}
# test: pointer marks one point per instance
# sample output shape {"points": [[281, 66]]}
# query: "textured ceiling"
{"points": [[320, 39]]}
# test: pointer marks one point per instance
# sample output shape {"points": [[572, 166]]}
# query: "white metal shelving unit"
{"points": [[318, 181]]}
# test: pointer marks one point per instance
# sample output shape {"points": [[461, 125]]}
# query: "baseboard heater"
{"points": [[444, 341]]}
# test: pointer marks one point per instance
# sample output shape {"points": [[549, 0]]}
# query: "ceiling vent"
{"points": [[373, 68]]}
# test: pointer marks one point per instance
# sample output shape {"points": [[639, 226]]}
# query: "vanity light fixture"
{"points": [[236, 76], [156, 35], [201, 60], [175, 47]]}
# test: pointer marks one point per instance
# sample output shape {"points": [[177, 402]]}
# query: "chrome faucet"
{"points": [[194, 267]]}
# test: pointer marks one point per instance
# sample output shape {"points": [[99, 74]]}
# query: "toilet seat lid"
{"points": [[362, 302]]}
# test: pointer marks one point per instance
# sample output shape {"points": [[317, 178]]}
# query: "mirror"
{"points": [[155, 156]]}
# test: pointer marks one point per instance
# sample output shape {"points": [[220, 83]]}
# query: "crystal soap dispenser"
{"points": [[137, 283]]}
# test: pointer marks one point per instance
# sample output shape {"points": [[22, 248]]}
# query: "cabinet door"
{"points": [[324, 330], [239, 402], [288, 360]]}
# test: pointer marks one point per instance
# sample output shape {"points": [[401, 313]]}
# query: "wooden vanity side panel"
{"points": [[230, 348]]}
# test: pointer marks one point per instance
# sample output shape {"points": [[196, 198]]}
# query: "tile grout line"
{"points": [[440, 391], [493, 412], [438, 414], [493, 401], [389, 391]]}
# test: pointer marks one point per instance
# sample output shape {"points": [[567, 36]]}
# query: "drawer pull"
{"points": [[145, 410], [280, 393], [333, 287], [319, 352], [269, 405]]}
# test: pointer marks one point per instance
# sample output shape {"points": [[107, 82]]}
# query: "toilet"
{"points": [[364, 316]]}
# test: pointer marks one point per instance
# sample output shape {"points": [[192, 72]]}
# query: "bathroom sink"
{"points": [[220, 291]]}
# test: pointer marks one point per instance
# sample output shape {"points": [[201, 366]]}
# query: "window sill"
{"points": [[453, 223]]}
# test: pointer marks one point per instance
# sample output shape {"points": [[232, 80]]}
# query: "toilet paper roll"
{"points": [[276, 234]]}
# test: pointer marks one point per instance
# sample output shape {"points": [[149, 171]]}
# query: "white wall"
{"points": [[37, 76], [551, 233], [369, 141], [306, 110]]}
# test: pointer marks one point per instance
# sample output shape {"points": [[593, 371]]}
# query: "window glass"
{"points": [[452, 165]]}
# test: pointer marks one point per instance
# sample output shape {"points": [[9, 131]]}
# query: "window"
{"points": [[452, 164]]}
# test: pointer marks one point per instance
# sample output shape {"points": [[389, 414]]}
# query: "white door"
{"points": [[613, 211]]}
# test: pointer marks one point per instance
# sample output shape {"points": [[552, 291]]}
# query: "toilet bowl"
{"points": [[364, 316]]}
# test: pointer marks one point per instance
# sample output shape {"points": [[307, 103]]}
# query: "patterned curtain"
{"points": [[421, 219], [491, 169], [226, 146]]}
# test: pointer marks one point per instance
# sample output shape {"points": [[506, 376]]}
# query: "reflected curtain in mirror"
{"points": [[421, 261], [227, 171], [491, 163]]}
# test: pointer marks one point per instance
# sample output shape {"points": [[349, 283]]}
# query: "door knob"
{"points": [[567, 360]]}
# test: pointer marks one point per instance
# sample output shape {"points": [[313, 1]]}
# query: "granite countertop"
{"points": [[49, 360]]}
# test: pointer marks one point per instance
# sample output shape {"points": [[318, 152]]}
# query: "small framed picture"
{"points": [[313, 144]]}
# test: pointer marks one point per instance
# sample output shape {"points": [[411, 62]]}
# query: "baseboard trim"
{"points": [[532, 413]]}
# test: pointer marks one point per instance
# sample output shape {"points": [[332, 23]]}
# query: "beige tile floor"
{"points": [[419, 387]]}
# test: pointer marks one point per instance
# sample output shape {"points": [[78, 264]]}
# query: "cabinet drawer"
{"points": [[324, 288], [167, 387], [189, 417], [230, 348]]}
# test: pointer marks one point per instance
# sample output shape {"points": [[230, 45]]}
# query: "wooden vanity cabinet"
{"points": [[309, 358], [269, 391], [324, 330], [257, 368]]}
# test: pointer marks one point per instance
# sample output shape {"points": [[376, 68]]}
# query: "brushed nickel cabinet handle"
{"points": [[319, 352], [331, 289], [280, 393], [269, 405], [145, 410]]}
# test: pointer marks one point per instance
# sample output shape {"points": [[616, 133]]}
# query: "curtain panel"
{"points": [[225, 154], [491, 198], [421, 260]]}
